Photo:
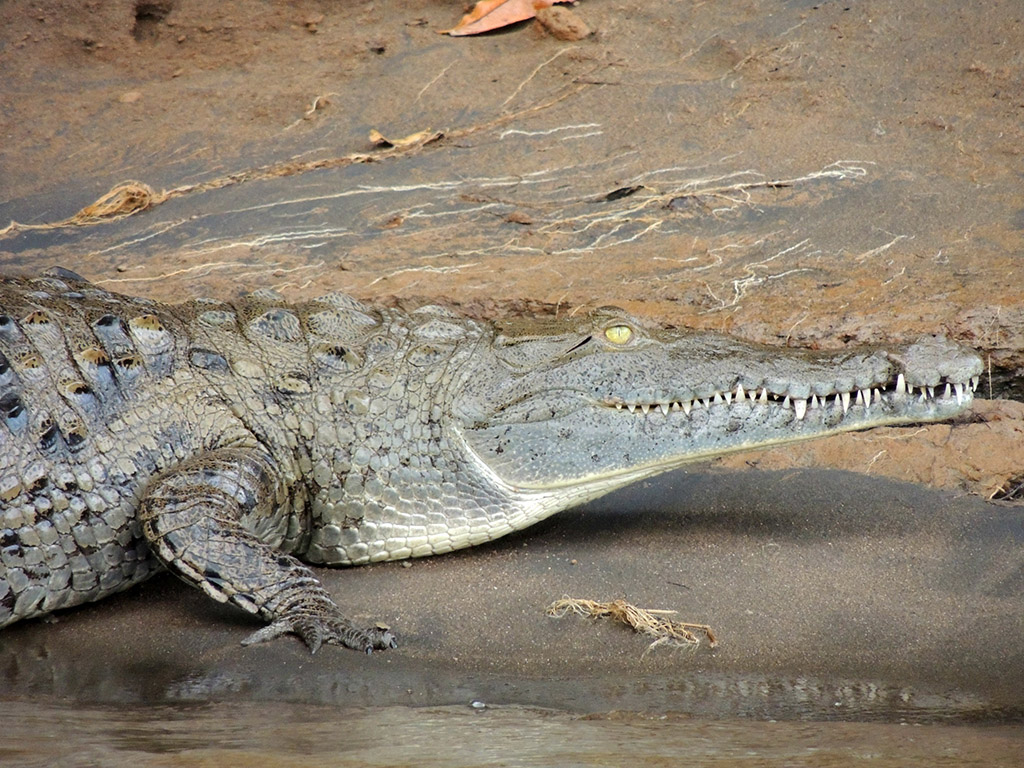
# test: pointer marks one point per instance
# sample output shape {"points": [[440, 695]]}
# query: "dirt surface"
{"points": [[805, 173], [608, 169]]}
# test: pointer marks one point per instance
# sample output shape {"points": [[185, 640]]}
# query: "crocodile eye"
{"points": [[618, 334]]}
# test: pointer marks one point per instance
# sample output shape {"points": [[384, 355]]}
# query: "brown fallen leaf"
{"points": [[494, 14]]}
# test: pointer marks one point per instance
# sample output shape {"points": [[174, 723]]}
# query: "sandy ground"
{"points": [[794, 172], [832, 595]]}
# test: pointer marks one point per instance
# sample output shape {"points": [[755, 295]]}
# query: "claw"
{"points": [[269, 632], [313, 637], [314, 633]]}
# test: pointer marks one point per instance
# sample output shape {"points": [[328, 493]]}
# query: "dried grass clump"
{"points": [[651, 622], [123, 200]]}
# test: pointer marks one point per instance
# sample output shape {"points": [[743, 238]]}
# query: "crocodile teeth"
{"points": [[949, 391], [975, 381], [959, 389], [865, 397], [800, 406]]}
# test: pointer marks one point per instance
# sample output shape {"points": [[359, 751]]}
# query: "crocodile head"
{"points": [[577, 408]]}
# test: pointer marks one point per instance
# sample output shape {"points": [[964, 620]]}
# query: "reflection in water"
{"points": [[287, 735]]}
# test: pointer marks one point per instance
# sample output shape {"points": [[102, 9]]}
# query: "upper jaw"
{"points": [[932, 377], [929, 379]]}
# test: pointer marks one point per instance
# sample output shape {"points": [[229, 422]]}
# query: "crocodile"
{"points": [[237, 443]]}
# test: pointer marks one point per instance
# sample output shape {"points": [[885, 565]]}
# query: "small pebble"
{"points": [[562, 23]]}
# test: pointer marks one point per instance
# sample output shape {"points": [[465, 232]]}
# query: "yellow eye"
{"points": [[618, 334]]}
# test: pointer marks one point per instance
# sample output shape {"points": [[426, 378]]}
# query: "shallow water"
{"points": [[288, 735]]}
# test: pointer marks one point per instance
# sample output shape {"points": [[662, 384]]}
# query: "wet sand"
{"points": [[832, 595]]}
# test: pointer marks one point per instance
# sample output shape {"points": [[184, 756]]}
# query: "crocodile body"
{"points": [[232, 443]]}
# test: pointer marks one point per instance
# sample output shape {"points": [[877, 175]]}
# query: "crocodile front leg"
{"points": [[201, 520]]}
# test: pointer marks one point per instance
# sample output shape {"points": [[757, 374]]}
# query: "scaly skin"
{"points": [[226, 442]]}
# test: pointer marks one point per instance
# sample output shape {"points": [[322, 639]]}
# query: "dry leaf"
{"points": [[421, 137], [494, 14]]}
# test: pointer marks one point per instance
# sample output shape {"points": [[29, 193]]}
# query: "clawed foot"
{"points": [[316, 630]]}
